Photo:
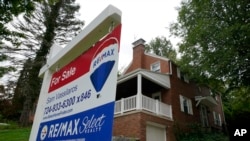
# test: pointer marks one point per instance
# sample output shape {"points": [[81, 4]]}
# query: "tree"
{"points": [[8, 10], [49, 23], [216, 40], [162, 47], [215, 50]]}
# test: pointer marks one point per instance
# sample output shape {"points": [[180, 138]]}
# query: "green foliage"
{"points": [[198, 133], [236, 108], [237, 100], [216, 40], [216, 50], [162, 47], [8, 10]]}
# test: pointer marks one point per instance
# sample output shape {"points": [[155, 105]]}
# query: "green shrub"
{"points": [[198, 133]]}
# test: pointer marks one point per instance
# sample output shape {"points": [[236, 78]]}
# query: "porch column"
{"points": [[139, 92]]}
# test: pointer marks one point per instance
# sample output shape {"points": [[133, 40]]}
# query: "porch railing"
{"points": [[141, 102]]}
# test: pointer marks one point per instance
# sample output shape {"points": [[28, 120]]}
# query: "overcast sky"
{"points": [[145, 19]]}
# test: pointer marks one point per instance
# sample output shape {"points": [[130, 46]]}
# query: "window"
{"points": [[186, 105], [217, 118], [182, 76], [203, 115], [157, 96], [213, 94], [216, 97], [156, 67]]}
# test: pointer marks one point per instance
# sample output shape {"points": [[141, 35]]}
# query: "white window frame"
{"points": [[184, 99], [182, 76], [156, 68], [217, 118], [157, 94]]}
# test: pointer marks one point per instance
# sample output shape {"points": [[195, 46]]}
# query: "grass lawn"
{"points": [[18, 134]]}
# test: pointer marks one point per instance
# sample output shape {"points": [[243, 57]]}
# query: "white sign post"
{"points": [[78, 92]]}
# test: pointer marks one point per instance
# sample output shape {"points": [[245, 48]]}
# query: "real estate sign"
{"points": [[80, 97]]}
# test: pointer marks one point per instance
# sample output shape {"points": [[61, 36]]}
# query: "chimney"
{"points": [[138, 52], [138, 42]]}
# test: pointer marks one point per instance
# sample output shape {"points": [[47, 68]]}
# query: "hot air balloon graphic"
{"points": [[103, 63]]}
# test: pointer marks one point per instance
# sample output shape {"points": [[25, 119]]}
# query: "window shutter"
{"points": [[186, 79], [178, 73], [181, 103], [190, 107], [214, 115], [220, 123]]}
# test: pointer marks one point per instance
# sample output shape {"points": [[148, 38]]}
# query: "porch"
{"points": [[142, 102], [143, 90]]}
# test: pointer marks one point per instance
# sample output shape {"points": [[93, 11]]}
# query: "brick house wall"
{"points": [[134, 125], [178, 86], [143, 60]]}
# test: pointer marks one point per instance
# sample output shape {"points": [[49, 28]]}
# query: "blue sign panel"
{"points": [[91, 125]]}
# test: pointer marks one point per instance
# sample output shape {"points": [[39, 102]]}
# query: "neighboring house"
{"points": [[154, 96]]}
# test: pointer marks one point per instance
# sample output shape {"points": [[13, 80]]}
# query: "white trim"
{"points": [[190, 107], [156, 124], [189, 104], [214, 117], [220, 123], [181, 103], [170, 68], [139, 91]]}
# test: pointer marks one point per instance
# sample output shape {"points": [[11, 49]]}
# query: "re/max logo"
{"points": [[102, 56]]}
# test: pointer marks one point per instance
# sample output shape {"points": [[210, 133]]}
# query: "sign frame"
{"points": [[110, 17]]}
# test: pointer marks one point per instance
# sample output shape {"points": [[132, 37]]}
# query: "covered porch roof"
{"points": [[158, 78], [140, 82]]}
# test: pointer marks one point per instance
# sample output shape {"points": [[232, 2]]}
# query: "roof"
{"points": [[158, 78], [151, 55], [206, 100]]}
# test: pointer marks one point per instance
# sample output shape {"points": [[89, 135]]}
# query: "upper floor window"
{"points": [[217, 118], [182, 76], [156, 67], [186, 105], [213, 94], [216, 97], [157, 96]]}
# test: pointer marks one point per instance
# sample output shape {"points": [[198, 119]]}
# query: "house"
{"points": [[154, 96]]}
